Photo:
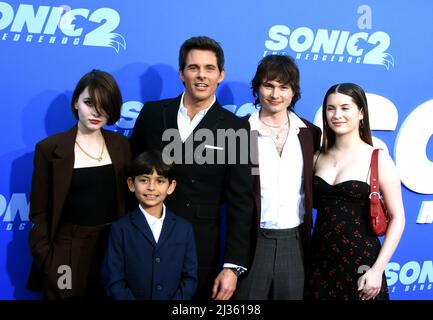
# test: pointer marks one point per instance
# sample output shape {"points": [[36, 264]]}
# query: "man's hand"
{"points": [[224, 285]]}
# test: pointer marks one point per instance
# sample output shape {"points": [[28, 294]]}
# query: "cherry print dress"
{"points": [[342, 244]]}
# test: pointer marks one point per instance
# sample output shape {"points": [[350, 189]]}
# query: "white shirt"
{"points": [[281, 178], [155, 224], [185, 124]]}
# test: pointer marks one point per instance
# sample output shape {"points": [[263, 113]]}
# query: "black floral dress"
{"points": [[342, 244]]}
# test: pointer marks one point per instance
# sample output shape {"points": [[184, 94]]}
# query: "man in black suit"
{"points": [[209, 146]]}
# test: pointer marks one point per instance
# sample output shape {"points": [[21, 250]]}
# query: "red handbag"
{"points": [[379, 217]]}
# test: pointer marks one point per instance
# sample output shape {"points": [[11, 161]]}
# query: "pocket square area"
{"points": [[213, 147]]}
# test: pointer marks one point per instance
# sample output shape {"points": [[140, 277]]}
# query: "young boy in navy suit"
{"points": [[151, 252]]}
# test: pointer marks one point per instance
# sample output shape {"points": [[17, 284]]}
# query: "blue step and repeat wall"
{"points": [[385, 46]]}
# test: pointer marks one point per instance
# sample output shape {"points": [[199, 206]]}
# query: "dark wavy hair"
{"points": [[281, 68], [359, 98], [201, 43]]}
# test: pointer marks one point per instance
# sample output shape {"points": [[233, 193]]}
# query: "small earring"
{"points": [[361, 123]]}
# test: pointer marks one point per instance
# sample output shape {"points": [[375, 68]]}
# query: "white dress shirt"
{"points": [[155, 223], [281, 177], [185, 124]]}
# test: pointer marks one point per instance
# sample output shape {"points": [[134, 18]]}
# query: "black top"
{"points": [[92, 198]]}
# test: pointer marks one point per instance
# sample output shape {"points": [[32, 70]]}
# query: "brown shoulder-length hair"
{"points": [[358, 96], [281, 68], [104, 92]]}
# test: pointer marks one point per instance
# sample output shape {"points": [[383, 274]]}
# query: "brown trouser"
{"points": [[75, 262]]}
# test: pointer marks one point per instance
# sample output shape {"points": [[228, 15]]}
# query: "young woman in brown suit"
{"points": [[78, 189]]}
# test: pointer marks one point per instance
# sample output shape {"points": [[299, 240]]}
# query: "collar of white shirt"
{"points": [[295, 122], [155, 223], [184, 123], [202, 113]]}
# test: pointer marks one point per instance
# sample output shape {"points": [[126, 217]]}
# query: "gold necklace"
{"points": [[90, 156]]}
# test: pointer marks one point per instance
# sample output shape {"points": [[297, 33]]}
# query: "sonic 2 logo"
{"points": [[412, 276], [330, 45], [18, 205], [62, 18]]}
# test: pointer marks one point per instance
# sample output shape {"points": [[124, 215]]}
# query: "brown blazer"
{"points": [[52, 173], [309, 138]]}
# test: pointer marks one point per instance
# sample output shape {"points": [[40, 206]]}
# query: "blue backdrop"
{"points": [[46, 46]]}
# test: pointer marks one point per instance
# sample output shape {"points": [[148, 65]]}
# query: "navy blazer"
{"points": [[136, 267]]}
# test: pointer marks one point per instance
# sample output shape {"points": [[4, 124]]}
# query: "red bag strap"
{"points": [[374, 173]]}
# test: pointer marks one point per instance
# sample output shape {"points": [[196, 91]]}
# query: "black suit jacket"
{"points": [[202, 188], [52, 174]]}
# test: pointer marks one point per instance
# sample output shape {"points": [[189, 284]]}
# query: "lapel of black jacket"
{"points": [[169, 113], [139, 220], [169, 122]]}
